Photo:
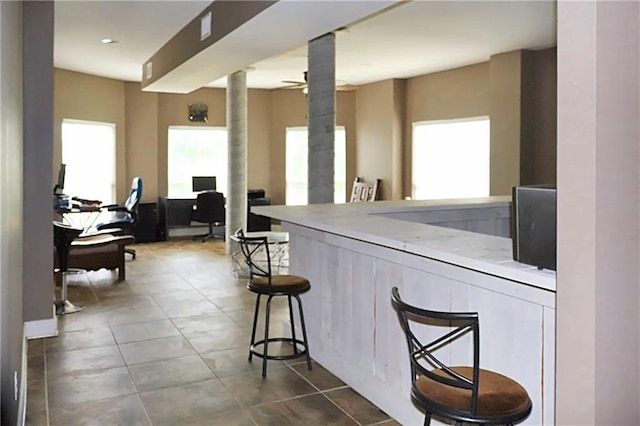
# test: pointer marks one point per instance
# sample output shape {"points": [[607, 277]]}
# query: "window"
{"points": [[451, 159], [196, 151], [89, 151], [297, 150]]}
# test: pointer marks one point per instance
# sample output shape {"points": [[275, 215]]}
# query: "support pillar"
{"points": [[598, 287], [236, 208], [322, 118]]}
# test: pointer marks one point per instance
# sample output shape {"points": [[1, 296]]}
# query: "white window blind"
{"points": [[297, 150], [89, 152], [195, 151], [450, 159]]}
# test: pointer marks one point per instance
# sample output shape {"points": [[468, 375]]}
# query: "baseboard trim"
{"points": [[41, 328]]}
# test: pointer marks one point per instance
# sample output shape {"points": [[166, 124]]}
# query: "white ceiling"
{"points": [[412, 39]]}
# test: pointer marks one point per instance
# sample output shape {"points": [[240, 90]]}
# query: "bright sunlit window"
{"points": [[196, 151], [451, 159], [297, 149], [89, 151]]}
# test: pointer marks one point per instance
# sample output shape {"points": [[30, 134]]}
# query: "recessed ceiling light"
{"points": [[108, 41]]}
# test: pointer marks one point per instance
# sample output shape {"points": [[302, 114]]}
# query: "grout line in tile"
{"points": [[169, 251]]}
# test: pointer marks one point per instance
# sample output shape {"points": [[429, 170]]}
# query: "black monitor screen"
{"points": [[533, 221], [60, 184], [203, 183]]}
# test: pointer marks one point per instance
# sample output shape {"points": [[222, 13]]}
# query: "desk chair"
{"points": [[124, 216], [210, 210], [459, 393], [264, 283]]}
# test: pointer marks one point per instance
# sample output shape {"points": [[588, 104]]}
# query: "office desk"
{"points": [[80, 217], [173, 213]]}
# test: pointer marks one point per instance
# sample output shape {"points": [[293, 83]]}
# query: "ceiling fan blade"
{"points": [[299, 83], [293, 86], [346, 87]]}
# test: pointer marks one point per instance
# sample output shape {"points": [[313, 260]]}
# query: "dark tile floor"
{"points": [[169, 346]]}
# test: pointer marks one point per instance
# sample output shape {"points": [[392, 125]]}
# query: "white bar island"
{"points": [[354, 253]]}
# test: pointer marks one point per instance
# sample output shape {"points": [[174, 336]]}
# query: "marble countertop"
{"points": [[364, 221]]}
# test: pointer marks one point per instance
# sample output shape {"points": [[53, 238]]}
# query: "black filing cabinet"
{"points": [[257, 222], [146, 229]]}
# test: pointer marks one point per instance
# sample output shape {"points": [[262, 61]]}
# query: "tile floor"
{"points": [[169, 346]]}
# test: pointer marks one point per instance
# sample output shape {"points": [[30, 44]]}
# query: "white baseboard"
{"points": [[41, 328]]}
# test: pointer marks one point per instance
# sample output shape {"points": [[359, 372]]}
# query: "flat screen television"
{"points": [[59, 188], [533, 225], [203, 183]]}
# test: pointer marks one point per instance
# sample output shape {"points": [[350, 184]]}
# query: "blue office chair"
{"points": [[124, 216]]}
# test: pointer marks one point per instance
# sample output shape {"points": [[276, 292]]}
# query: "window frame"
{"points": [[221, 178], [340, 194], [415, 167], [112, 154]]}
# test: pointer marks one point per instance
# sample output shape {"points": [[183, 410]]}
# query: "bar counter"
{"points": [[449, 255]]}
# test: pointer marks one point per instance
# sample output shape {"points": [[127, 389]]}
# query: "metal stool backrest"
{"points": [[250, 247], [421, 356]]}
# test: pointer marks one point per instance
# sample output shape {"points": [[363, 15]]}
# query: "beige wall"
{"points": [[259, 147], [173, 111], [143, 119], [544, 116], [84, 97], [458, 93], [149, 116], [141, 130], [505, 84], [379, 124], [289, 109], [377, 118]]}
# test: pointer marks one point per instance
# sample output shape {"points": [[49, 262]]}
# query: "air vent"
{"points": [[205, 26]]}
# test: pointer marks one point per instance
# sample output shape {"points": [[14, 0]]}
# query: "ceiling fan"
{"points": [[341, 86]]}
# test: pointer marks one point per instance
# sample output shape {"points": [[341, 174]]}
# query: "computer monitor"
{"points": [[533, 225], [59, 188], [203, 183]]}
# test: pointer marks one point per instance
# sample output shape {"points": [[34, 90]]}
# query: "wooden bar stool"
{"points": [[264, 283], [459, 393]]}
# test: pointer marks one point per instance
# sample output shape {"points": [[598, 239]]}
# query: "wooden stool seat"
{"points": [[498, 395], [291, 284], [459, 393]]}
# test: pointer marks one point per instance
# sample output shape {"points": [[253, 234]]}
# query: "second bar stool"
{"points": [[262, 282], [467, 394]]}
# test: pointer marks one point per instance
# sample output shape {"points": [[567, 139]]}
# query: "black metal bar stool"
{"points": [[459, 393], [63, 235], [262, 282]]}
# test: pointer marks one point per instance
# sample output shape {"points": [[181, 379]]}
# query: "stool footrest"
{"points": [[301, 348]]}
